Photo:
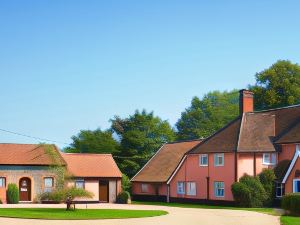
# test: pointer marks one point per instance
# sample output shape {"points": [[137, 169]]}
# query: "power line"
{"points": [[33, 137]]}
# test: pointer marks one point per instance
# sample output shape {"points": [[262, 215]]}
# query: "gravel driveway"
{"points": [[176, 216]]}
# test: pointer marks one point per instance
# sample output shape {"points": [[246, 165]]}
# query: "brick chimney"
{"points": [[246, 101]]}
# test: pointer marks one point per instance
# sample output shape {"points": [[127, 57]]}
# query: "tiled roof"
{"points": [[255, 131], [29, 154], [91, 165], [164, 162]]}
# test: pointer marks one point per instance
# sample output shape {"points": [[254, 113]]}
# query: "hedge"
{"points": [[291, 203], [123, 197]]}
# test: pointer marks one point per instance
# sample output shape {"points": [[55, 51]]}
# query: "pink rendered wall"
{"points": [[245, 164], [288, 152], [3, 194], [289, 182], [137, 189], [191, 171]]}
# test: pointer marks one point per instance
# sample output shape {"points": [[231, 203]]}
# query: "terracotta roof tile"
{"points": [[163, 164], [91, 165], [28, 154]]}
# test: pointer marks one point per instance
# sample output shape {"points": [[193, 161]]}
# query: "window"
{"points": [[296, 186], [203, 160], [180, 188], [48, 184], [191, 188], [219, 188], [144, 188], [279, 188], [269, 158], [2, 182], [219, 159], [79, 184]]}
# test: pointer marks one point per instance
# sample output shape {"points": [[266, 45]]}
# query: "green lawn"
{"points": [[78, 214], [290, 220], [270, 211]]}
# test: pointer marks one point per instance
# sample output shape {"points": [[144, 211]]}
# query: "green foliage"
{"points": [[12, 194], [93, 141], [291, 203], [126, 184], [267, 179], [255, 194], [61, 195], [123, 197], [205, 116], [241, 194], [277, 86], [281, 168], [140, 135]]}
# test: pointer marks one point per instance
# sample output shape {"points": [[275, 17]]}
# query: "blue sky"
{"points": [[72, 65]]}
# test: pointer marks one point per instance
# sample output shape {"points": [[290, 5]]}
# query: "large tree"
{"points": [[140, 135], [93, 141], [277, 86], [207, 115]]}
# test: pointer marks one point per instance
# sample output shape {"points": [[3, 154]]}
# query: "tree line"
{"points": [[134, 139]]}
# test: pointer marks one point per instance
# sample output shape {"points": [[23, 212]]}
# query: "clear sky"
{"points": [[72, 65]]}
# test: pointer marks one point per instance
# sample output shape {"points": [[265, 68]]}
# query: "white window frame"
{"points": [[294, 185], [216, 189], [270, 155], [281, 187], [80, 181], [201, 160], [144, 188], [48, 188], [216, 159], [3, 182], [181, 190], [191, 188]]}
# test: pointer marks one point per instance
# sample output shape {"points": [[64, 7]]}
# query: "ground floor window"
{"points": [[279, 188], [219, 188], [180, 188], [48, 184], [79, 184], [144, 188], [2, 182], [191, 188], [296, 186]]}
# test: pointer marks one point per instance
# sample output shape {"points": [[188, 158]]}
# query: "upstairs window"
{"points": [[203, 160], [269, 158], [48, 184], [144, 188], [219, 159], [180, 188], [2, 182], [79, 184], [191, 188]]}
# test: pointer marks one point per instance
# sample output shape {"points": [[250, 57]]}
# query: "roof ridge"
{"points": [[182, 141], [279, 108], [80, 153]]}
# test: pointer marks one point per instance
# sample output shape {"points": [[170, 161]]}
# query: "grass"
{"points": [[78, 214], [269, 211], [290, 220]]}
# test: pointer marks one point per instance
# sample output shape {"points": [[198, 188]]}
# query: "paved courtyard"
{"points": [[176, 216]]}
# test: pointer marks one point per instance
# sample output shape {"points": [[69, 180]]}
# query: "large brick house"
{"points": [[247, 145], [30, 167]]}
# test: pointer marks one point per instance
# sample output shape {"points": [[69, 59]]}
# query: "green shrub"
{"points": [[250, 192], [62, 194], [267, 179], [126, 184], [12, 194], [241, 194], [291, 203], [123, 197]]}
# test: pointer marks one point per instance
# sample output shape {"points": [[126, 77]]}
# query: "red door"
{"points": [[25, 189]]}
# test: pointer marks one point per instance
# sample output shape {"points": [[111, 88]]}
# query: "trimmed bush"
{"points": [[267, 179], [123, 197], [12, 194], [63, 194], [126, 184], [250, 192], [291, 203], [241, 194]]}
